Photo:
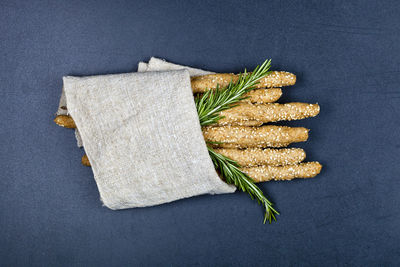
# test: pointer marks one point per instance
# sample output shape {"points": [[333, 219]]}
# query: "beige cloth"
{"points": [[155, 64], [144, 143]]}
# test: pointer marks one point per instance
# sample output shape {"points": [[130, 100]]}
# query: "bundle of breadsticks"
{"points": [[245, 133]]}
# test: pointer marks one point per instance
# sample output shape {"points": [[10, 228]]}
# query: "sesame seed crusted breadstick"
{"points": [[267, 173], [261, 96], [67, 122], [237, 136], [270, 112], [200, 84], [245, 114], [244, 137], [288, 172], [256, 156]]}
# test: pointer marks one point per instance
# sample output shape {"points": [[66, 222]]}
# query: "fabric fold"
{"points": [[154, 64], [144, 143]]}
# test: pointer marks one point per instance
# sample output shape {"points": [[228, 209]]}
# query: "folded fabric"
{"points": [[145, 144], [154, 64]]}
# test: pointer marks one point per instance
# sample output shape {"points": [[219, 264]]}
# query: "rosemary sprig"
{"points": [[211, 103], [209, 106], [229, 169]]}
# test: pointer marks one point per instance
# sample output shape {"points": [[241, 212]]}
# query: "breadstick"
{"points": [[256, 156], [237, 136], [243, 122], [288, 172], [65, 121], [200, 84], [244, 137], [257, 96], [247, 114], [261, 96], [267, 173]]}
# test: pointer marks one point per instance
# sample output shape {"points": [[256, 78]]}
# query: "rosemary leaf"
{"points": [[209, 106], [229, 169], [211, 103]]}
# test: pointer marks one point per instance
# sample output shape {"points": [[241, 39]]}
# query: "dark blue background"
{"points": [[346, 56]]}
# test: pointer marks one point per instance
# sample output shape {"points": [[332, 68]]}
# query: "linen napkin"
{"points": [[142, 136], [154, 64]]}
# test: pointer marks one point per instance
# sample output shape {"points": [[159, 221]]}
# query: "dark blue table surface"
{"points": [[346, 57]]}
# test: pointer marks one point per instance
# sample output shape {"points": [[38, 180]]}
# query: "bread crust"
{"points": [[266, 173], [256, 156], [263, 95]]}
